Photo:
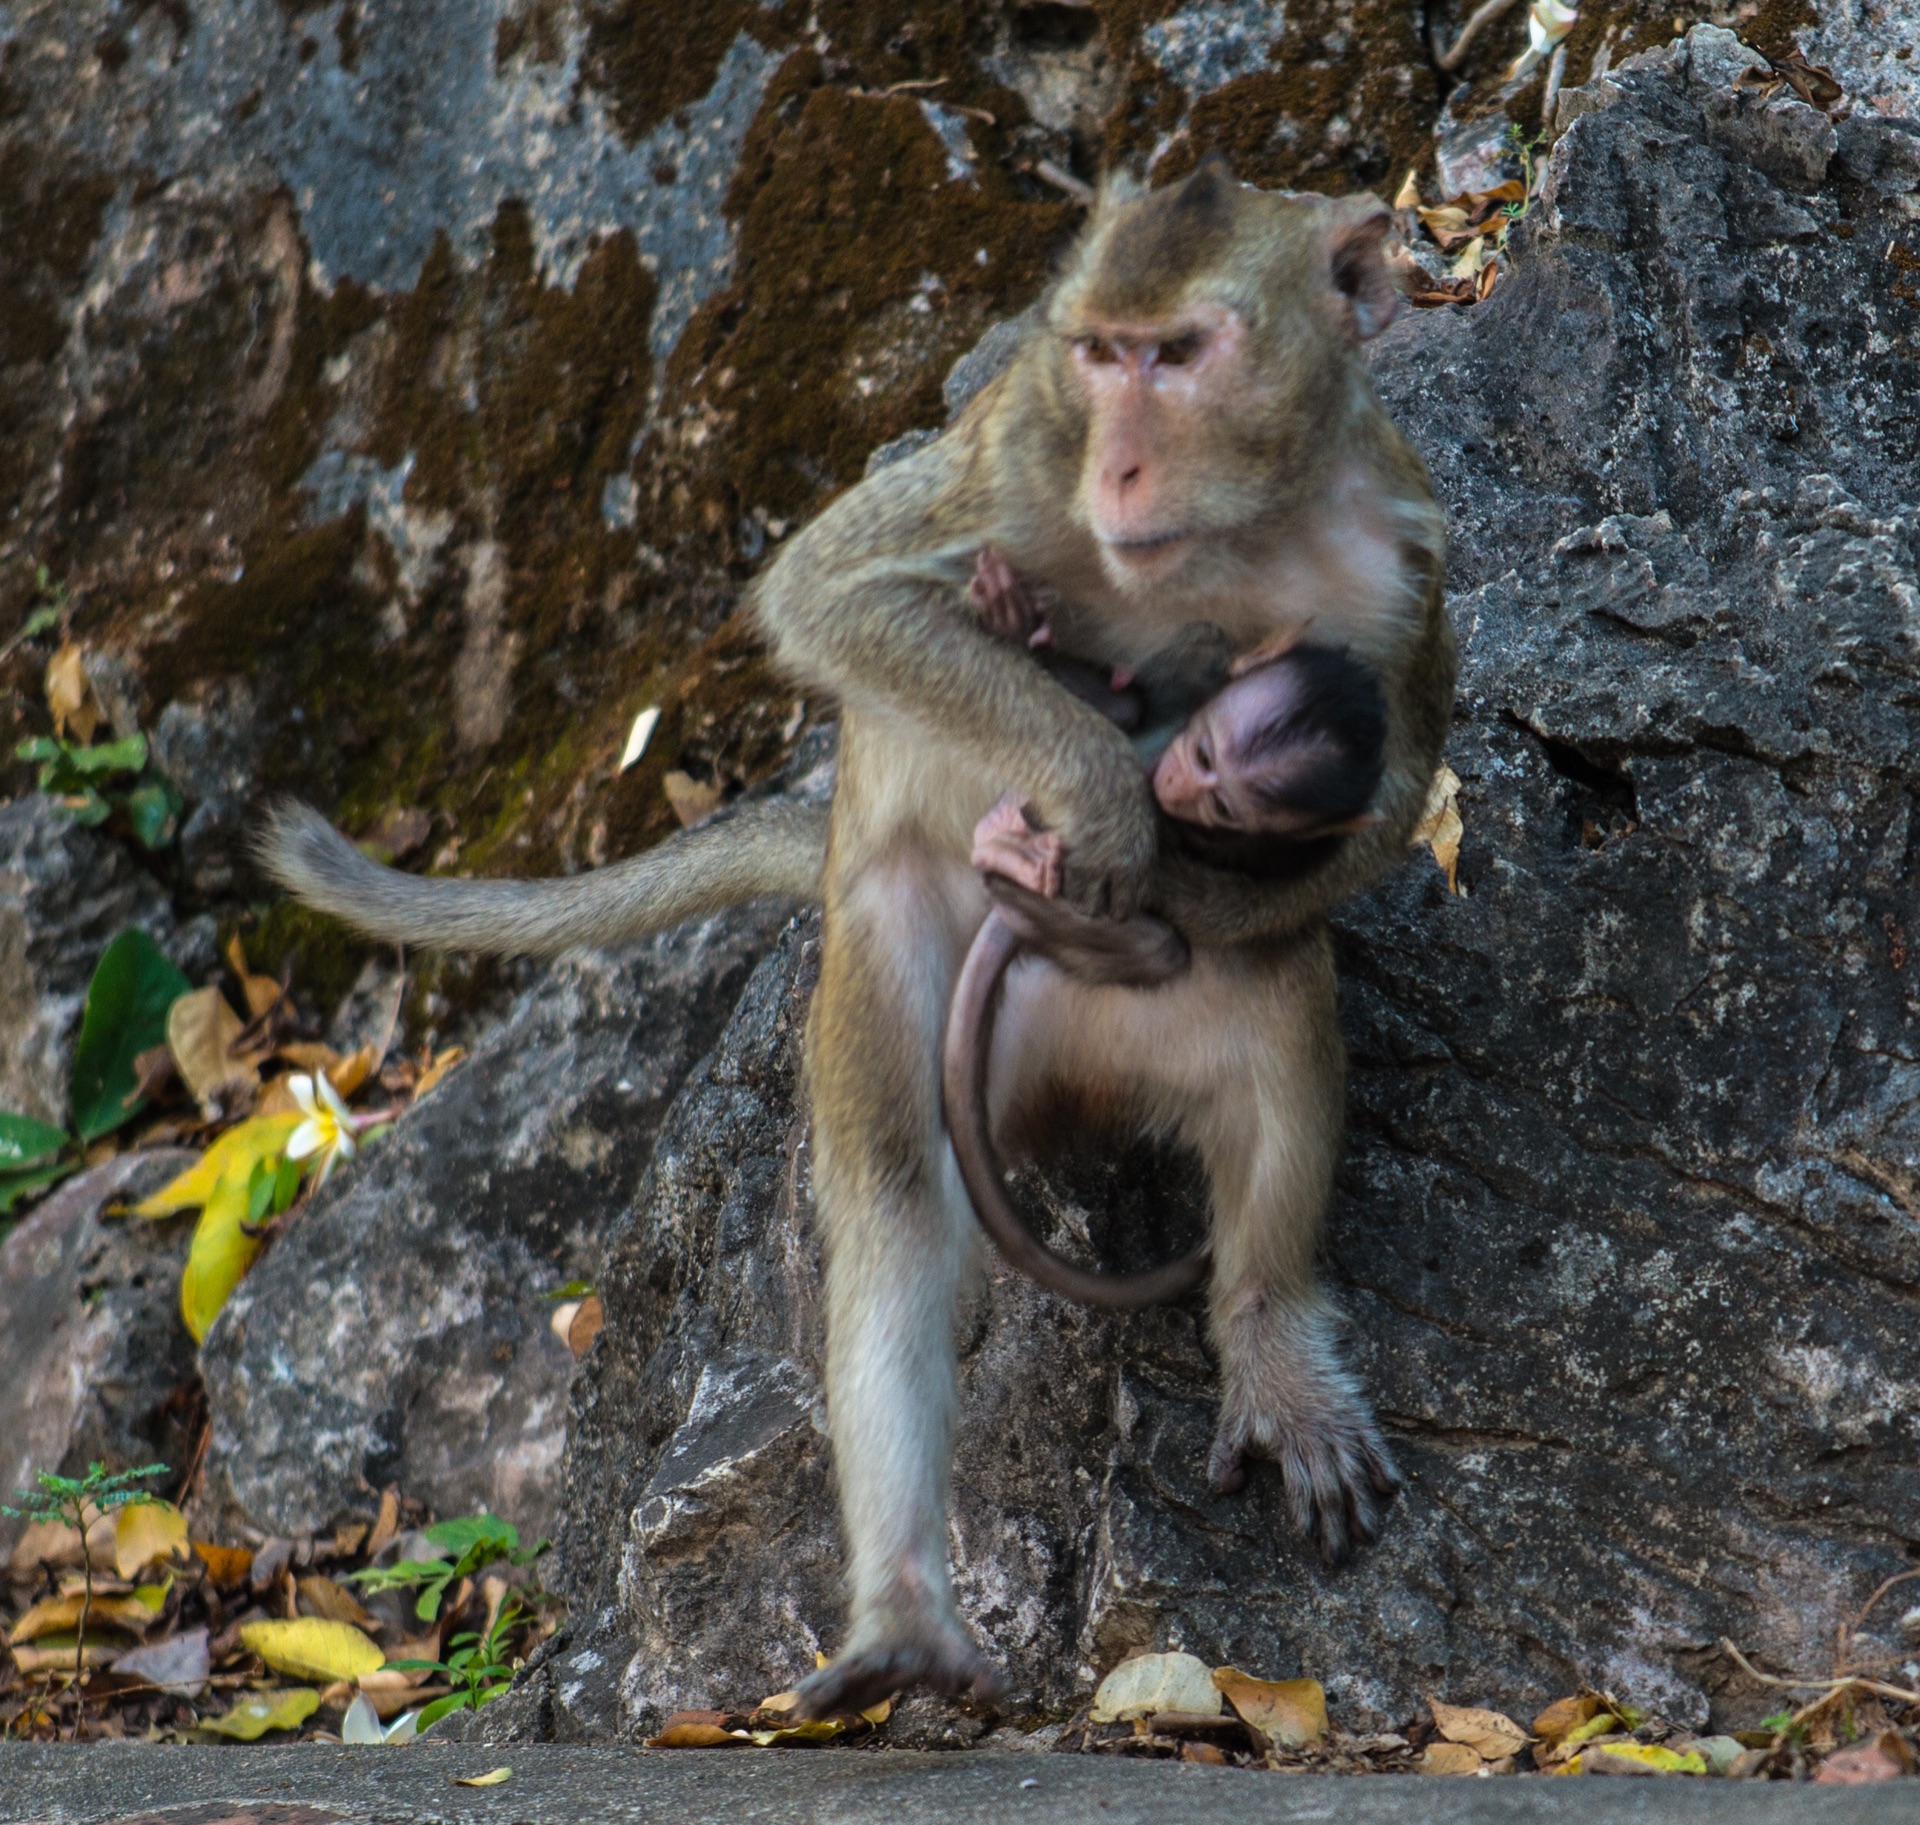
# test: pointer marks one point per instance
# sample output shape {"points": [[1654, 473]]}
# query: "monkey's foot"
{"points": [[944, 1658], [1333, 1461]]}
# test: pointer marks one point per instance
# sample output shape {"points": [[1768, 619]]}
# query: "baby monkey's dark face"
{"points": [[1292, 749]]}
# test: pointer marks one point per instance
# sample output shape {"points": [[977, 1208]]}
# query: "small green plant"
{"points": [[91, 783], [76, 1502], [476, 1665], [470, 1543]]}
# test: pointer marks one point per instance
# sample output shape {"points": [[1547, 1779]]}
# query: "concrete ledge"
{"points": [[319, 1784]]}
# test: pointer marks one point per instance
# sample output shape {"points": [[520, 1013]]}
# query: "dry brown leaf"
{"points": [[1451, 1758], [227, 1566], [1290, 1712], [352, 1071], [333, 1602], [400, 831], [55, 1615], [692, 799], [1448, 225], [1440, 827], [698, 1730], [1491, 1734], [1156, 1682], [386, 1523], [261, 992], [586, 1324], [1408, 196], [1566, 1714], [443, 1062], [308, 1055], [201, 1029], [70, 698], [55, 1654], [1210, 1753]]}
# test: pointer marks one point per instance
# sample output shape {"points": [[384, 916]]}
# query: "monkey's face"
{"points": [[1206, 337], [1234, 765], [1149, 390]]}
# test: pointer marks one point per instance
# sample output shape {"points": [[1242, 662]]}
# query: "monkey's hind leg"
{"points": [[1269, 1132], [897, 1236]]}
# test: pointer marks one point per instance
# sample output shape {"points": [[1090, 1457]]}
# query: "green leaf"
{"points": [[38, 747], [23, 1140], [464, 1532], [441, 1707], [107, 758], [286, 1184], [17, 1185], [153, 808], [38, 622], [574, 1289], [127, 1001], [260, 1184]]}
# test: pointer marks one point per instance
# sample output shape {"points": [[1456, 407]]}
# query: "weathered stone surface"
{"points": [[94, 1361], [399, 1332], [1630, 1226], [65, 892]]}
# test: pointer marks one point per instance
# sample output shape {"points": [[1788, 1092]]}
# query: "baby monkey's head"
{"points": [[1294, 748]]}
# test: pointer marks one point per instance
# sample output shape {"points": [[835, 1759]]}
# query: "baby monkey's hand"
{"points": [[1005, 844], [1006, 608]]}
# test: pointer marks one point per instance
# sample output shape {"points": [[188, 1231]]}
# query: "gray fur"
{"points": [[772, 848]]}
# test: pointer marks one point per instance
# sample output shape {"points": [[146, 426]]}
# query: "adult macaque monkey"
{"points": [[1190, 436]]}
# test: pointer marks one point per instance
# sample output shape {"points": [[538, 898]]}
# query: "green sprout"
{"points": [[75, 1502], [477, 1665], [470, 1543]]}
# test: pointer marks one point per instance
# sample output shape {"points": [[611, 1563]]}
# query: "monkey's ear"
{"points": [[1362, 274]]}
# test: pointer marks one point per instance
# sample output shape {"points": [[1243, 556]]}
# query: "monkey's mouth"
{"points": [[1150, 546]]}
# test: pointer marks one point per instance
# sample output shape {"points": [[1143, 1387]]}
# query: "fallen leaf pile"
{"points": [[190, 1640]]}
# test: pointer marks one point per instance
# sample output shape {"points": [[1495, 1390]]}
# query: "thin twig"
{"points": [[393, 1018], [1827, 1687], [1481, 17], [1851, 1629], [1050, 173]]}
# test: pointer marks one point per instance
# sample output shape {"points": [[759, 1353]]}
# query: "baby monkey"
{"points": [[1258, 763]]}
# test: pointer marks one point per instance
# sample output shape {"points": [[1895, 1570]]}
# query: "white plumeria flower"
{"points": [[1548, 23], [328, 1129]]}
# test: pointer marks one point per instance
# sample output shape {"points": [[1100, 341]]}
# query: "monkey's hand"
{"points": [[1003, 603], [1128, 953], [1006, 844]]}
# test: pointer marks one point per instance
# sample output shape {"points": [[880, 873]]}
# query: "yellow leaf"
{"points": [[253, 1717], [878, 1714], [492, 1778], [144, 1532], [1636, 1756], [219, 1256], [1565, 1714], [70, 696], [1409, 193], [1440, 827], [264, 1137], [1290, 1712], [201, 1029], [1491, 1734], [1601, 1723], [818, 1730], [1156, 1682], [1450, 1758], [54, 1615], [56, 1653], [309, 1648]]}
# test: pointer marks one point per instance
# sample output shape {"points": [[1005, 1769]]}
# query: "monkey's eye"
{"points": [[1222, 811], [1177, 351], [1203, 754], [1096, 349]]}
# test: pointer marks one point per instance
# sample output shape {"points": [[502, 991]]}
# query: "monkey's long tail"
{"points": [[769, 848]]}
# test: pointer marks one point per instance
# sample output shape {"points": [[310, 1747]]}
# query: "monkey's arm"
{"points": [[1217, 907], [771, 848], [865, 604]]}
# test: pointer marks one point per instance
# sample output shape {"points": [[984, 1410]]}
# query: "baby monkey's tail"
{"points": [[768, 848]]}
